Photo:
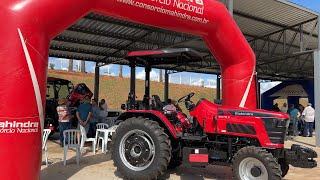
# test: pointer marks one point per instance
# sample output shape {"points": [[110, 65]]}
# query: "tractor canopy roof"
{"points": [[57, 81], [164, 56]]}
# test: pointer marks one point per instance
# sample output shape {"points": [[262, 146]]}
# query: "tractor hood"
{"points": [[249, 112], [235, 111]]}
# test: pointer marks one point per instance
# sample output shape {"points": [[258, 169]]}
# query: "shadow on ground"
{"points": [[193, 173], [58, 170]]}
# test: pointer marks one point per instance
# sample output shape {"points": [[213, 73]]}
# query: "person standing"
{"points": [[301, 121], [64, 118], [103, 114], [72, 118], [308, 116], [94, 118], [294, 117], [275, 107], [284, 108], [83, 114]]}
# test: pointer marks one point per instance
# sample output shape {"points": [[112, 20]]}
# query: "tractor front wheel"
{"points": [[284, 166], [251, 163], [140, 149]]}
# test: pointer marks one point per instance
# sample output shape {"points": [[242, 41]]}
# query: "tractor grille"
{"points": [[276, 129], [241, 128]]}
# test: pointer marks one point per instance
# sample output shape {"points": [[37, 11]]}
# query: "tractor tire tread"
{"points": [[163, 156], [271, 163]]}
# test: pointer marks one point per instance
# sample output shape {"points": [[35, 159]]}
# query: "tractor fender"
{"points": [[151, 114]]}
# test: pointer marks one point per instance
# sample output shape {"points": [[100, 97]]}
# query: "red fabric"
{"points": [[40, 21]]}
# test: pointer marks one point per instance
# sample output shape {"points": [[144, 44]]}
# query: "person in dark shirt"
{"points": [[84, 112], [294, 117], [94, 118], [301, 121], [275, 107]]}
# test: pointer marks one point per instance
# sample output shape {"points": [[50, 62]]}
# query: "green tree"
{"points": [[51, 66]]}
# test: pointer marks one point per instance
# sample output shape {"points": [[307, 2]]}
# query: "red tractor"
{"points": [[150, 140], [62, 88]]}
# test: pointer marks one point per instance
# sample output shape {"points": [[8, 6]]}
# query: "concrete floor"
{"points": [[100, 166]]}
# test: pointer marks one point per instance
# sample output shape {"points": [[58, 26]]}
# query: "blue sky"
{"points": [[183, 77], [113, 69], [310, 4]]}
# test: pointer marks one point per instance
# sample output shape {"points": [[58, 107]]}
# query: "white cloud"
{"points": [[198, 82], [106, 69], [154, 76], [211, 83], [60, 63], [268, 85]]}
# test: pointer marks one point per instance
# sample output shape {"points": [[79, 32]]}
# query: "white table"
{"points": [[106, 133]]}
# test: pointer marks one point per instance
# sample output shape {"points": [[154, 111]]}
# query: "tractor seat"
{"points": [[156, 103], [171, 115]]}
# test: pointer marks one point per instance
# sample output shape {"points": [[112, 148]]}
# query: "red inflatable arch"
{"points": [[29, 25]]}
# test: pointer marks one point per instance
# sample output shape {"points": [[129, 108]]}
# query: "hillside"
{"points": [[115, 89]]}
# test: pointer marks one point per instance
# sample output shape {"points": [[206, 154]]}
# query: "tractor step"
{"points": [[194, 137]]}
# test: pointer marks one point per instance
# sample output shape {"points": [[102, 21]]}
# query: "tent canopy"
{"points": [[281, 34]]}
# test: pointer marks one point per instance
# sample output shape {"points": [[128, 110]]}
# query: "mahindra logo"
{"points": [[243, 114], [18, 127]]}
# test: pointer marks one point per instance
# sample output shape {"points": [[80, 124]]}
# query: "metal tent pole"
{"points": [[166, 86], [96, 81], [147, 86], [316, 59], [218, 94], [230, 7], [132, 94]]}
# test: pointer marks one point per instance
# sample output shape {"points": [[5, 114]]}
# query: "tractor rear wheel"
{"points": [[251, 163], [140, 149]]}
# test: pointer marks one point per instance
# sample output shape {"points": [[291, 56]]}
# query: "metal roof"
{"points": [[281, 34]]}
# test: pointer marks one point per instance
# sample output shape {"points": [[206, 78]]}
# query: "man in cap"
{"points": [[64, 117], [308, 117]]}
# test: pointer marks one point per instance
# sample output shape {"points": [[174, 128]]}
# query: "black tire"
{"points": [[175, 159], [51, 133], [118, 122], [174, 163], [162, 149], [262, 160], [284, 166]]}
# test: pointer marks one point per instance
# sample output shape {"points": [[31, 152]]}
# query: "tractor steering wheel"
{"points": [[186, 99]]}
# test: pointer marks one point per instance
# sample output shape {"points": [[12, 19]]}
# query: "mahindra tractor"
{"points": [[149, 140], [62, 88]]}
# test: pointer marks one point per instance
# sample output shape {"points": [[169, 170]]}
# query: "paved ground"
{"points": [[100, 166]]}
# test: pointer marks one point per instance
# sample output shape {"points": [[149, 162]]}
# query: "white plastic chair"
{"points": [[102, 126], [99, 136], [71, 135], [85, 139], [45, 135]]}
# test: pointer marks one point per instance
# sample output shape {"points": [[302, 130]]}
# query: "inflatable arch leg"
{"points": [[28, 27]]}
